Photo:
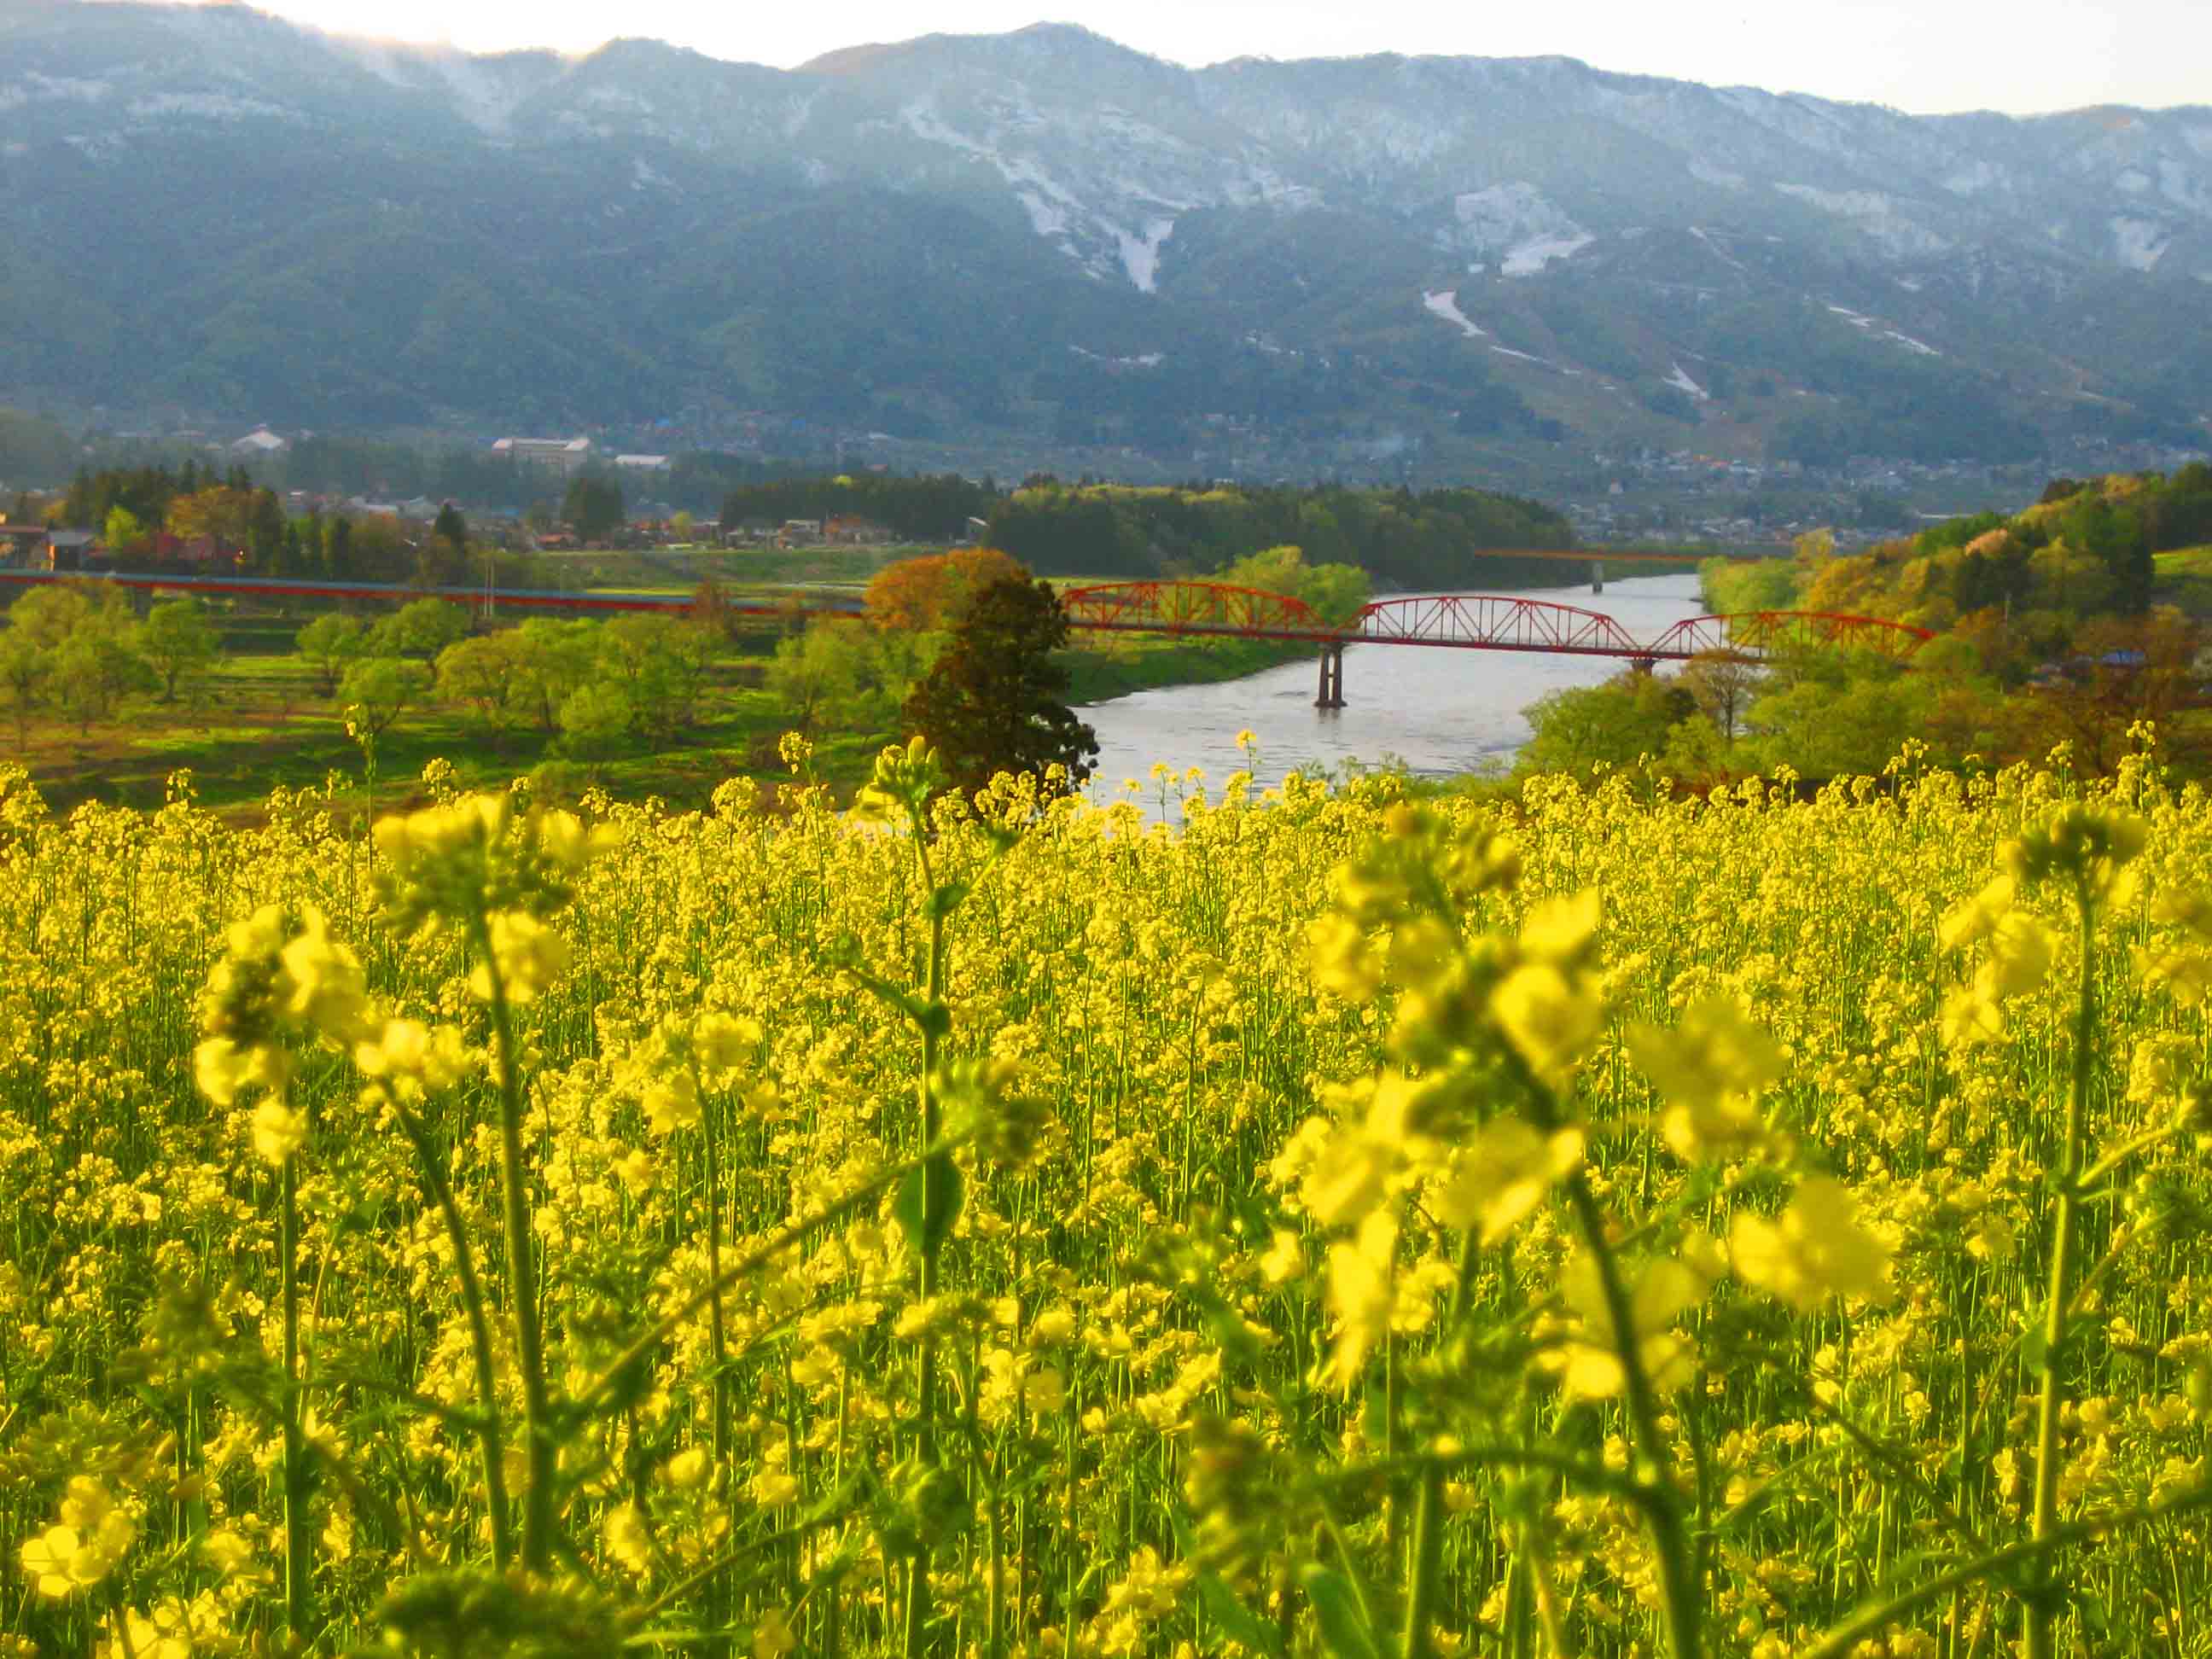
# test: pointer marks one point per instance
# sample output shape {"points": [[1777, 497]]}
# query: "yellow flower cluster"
{"points": [[94, 1535]]}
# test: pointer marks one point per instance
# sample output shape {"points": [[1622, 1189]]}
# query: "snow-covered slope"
{"points": [[1554, 212]]}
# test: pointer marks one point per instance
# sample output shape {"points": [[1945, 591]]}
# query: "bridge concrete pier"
{"points": [[1597, 575], [1331, 695]]}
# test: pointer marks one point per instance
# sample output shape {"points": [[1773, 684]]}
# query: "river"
{"points": [[1436, 711]]}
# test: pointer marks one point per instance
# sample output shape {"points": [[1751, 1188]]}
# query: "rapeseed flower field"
{"points": [[1343, 1224]]}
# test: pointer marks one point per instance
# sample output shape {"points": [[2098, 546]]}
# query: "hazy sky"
{"points": [[1919, 55]]}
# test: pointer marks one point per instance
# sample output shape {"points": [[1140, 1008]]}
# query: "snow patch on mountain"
{"points": [[1529, 259], [1046, 218], [922, 120], [33, 87], [2138, 243], [1143, 360], [479, 97], [1876, 216], [1140, 255], [206, 106], [1445, 304], [1855, 318], [1706, 174], [2134, 182], [1516, 222], [1680, 381], [1920, 348]]}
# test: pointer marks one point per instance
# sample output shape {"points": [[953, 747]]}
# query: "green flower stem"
{"points": [[1428, 1512], [718, 1587], [1655, 1493], [1654, 1490], [917, 1597], [490, 1440], [299, 1558], [2041, 1602], [540, 1451]]}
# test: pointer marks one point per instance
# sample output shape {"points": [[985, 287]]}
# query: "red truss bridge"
{"points": [[1166, 607], [1470, 622]]}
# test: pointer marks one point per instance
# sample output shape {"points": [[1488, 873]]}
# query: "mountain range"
{"points": [[962, 240]]}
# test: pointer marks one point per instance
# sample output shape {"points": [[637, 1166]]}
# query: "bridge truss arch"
{"points": [[1487, 622], [1181, 607], [1763, 633]]}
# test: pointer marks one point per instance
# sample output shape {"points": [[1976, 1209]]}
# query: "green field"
{"points": [[257, 720]]}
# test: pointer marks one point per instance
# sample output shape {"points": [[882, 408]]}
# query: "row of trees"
{"points": [[148, 516], [1825, 714], [79, 656], [1402, 538], [2023, 585], [592, 685]]}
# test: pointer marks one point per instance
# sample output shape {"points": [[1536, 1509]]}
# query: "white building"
{"points": [[260, 441], [567, 455]]}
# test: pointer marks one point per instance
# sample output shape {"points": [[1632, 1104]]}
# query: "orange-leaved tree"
{"points": [[922, 595]]}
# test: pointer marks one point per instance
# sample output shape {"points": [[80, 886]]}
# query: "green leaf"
{"points": [[1222, 1606], [940, 1180], [945, 898], [1344, 1632], [1237, 1620]]}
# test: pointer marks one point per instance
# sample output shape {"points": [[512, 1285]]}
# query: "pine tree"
{"points": [[452, 529], [338, 548], [992, 703]]}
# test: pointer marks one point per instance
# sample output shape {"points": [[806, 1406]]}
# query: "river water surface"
{"points": [[1437, 711]]}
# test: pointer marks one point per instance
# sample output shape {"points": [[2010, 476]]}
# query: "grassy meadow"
{"points": [[257, 719]]}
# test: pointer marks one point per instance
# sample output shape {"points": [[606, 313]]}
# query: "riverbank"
{"points": [[1132, 663]]}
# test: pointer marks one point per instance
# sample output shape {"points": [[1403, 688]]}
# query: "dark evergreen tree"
{"points": [[338, 548], [593, 506], [452, 528], [264, 531], [992, 703]]}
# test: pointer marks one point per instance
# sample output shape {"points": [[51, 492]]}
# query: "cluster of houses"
{"points": [[40, 547], [839, 530]]}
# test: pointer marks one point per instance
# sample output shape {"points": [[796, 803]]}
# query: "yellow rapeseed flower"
{"points": [[1550, 1019], [529, 955], [1709, 1070], [1817, 1248], [1590, 1362], [1359, 1297], [1500, 1177]]}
